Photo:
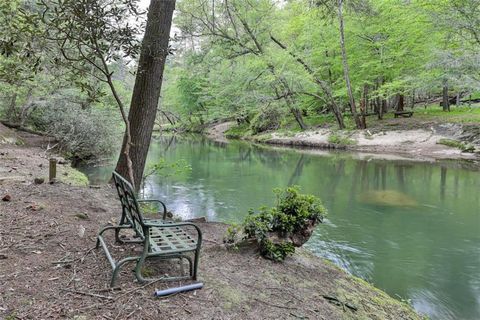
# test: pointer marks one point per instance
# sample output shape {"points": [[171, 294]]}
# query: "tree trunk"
{"points": [[401, 102], [445, 102], [146, 91], [346, 72], [287, 94], [25, 107], [298, 116], [364, 105], [384, 106], [457, 101], [12, 108]]}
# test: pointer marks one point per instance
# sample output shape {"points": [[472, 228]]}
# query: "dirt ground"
{"points": [[49, 268]]}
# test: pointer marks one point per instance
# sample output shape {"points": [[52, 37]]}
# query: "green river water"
{"points": [[410, 228]]}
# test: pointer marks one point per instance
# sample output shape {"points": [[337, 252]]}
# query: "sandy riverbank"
{"points": [[422, 142]]}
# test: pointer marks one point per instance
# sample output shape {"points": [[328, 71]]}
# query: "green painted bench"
{"points": [[160, 238]]}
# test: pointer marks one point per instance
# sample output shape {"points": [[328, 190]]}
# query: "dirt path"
{"points": [[49, 269]]}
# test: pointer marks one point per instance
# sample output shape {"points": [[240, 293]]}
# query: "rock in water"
{"points": [[7, 197], [391, 198]]}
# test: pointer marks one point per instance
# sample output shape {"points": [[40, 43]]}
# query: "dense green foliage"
{"points": [[266, 64], [243, 57], [293, 213], [50, 84]]}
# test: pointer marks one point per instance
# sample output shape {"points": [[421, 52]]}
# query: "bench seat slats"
{"points": [[171, 240]]}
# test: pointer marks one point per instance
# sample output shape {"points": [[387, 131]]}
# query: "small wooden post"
{"points": [[52, 172]]}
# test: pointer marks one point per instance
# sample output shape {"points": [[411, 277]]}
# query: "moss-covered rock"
{"points": [[72, 176]]}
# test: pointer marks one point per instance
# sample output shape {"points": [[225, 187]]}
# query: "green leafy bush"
{"points": [[232, 235], [289, 224], [237, 132], [268, 119], [82, 134]]}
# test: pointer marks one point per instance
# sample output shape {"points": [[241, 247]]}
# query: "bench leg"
{"points": [[116, 269], [195, 264], [141, 261]]}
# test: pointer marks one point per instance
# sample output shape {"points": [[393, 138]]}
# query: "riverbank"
{"points": [[420, 139], [49, 269]]}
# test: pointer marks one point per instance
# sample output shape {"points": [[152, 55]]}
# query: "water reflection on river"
{"points": [[412, 229]]}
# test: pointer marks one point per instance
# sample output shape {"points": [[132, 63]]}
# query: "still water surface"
{"points": [[410, 228]]}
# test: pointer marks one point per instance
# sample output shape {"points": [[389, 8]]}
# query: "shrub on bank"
{"points": [[268, 119], [278, 230], [82, 134]]}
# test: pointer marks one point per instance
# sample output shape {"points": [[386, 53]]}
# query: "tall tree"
{"points": [[146, 92], [359, 121], [241, 27], [90, 35]]}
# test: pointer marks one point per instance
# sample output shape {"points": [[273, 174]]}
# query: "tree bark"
{"points": [[346, 71], [364, 105], [12, 108], [445, 102], [401, 102], [146, 92]]}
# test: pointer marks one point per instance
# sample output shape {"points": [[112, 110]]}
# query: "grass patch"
{"points": [[263, 137], [71, 176], [456, 144], [338, 139], [461, 114]]}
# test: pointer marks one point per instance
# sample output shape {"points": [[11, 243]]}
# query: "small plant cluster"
{"points": [[268, 119], [278, 230], [457, 144], [237, 132], [340, 140]]}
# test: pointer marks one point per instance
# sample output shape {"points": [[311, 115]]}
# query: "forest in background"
{"points": [[266, 64]]}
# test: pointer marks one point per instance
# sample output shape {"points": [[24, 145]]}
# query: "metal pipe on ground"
{"points": [[190, 287]]}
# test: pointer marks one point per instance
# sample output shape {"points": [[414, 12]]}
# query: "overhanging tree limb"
{"points": [[326, 90]]}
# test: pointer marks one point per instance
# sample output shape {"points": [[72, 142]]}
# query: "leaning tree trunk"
{"points": [[146, 92], [358, 120], [325, 88]]}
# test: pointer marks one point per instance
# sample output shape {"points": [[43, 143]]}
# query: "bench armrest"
{"points": [[156, 201], [177, 224]]}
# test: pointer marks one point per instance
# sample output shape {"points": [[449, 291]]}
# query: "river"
{"points": [[410, 228]]}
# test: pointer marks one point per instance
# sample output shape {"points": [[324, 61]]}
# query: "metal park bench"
{"points": [[160, 238]]}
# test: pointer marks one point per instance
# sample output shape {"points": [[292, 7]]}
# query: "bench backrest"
{"points": [[130, 210]]}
